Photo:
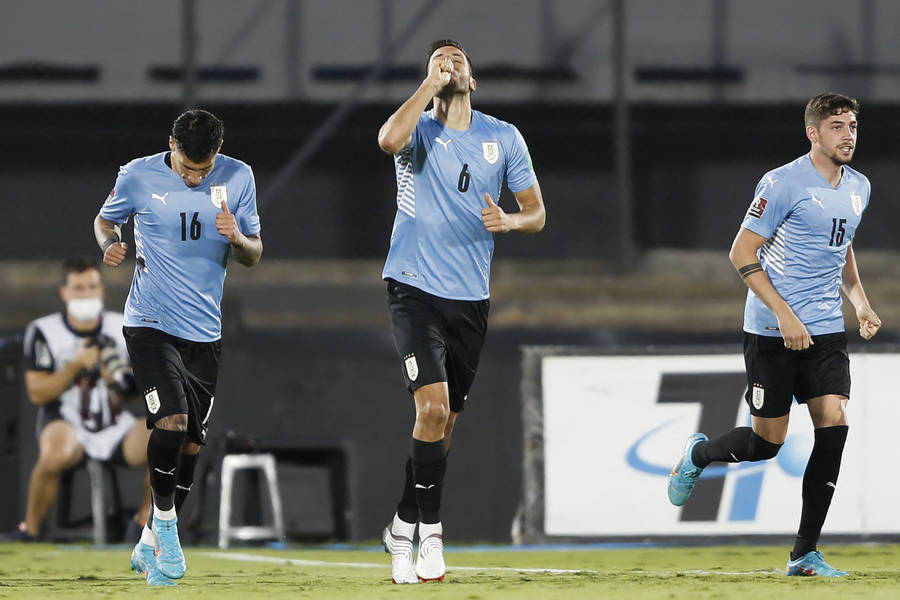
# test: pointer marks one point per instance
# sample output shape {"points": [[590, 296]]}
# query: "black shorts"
{"points": [[437, 339], [175, 376], [776, 375]]}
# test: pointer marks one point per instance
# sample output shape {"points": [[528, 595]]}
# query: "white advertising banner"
{"points": [[613, 427]]}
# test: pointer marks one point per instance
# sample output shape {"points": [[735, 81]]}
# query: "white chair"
{"points": [[266, 464]]}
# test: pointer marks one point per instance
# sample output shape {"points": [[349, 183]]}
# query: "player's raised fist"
{"points": [[115, 254], [494, 218], [226, 224]]}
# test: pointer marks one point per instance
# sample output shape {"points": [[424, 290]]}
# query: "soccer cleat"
{"points": [[170, 557], [430, 563], [397, 539], [685, 473], [811, 564], [143, 560], [19, 534]]}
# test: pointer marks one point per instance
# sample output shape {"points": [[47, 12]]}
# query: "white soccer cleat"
{"points": [[398, 542], [430, 563]]}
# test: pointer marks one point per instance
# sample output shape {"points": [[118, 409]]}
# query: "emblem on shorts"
{"points": [[152, 398], [856, 201], [218, 194], [490, 151], [412, 367], [758, 397]]}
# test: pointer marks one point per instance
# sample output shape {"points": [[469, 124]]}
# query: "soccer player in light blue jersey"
{"points": [[794, 251], [192, 209], [451, 162]]}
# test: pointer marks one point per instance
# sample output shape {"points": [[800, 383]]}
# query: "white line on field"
{"points": [[300, 562]]}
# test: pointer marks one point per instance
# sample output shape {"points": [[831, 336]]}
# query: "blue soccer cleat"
{"points": [[143, 560], [812, 564], [685, 473], [170, 558]]}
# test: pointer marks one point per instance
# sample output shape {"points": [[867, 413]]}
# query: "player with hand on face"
{"points": [[794, 251], [450, 164], [192, 209]]}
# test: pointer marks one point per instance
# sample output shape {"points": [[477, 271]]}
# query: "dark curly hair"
{"points": [[198, 134]]}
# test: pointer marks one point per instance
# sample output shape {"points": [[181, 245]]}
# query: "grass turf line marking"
{"points": [[300, 562]]}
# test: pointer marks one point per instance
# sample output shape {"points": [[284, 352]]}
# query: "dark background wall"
{"points": [[695, 170]]}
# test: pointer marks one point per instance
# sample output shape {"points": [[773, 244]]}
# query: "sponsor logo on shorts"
{"points": [[758, 397], [412, 367], [152, 398]]}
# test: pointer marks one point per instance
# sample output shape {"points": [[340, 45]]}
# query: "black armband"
{"points": [[109, 242], [749, 270]]}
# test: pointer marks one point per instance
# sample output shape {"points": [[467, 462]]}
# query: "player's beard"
{"points": [[459, 86], [839, 160]]}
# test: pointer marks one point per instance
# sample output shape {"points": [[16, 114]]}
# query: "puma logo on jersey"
{"points": [[160, 198], [772, 181], [443, 143], [819, 202]]}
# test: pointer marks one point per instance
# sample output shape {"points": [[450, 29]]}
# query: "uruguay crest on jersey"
{"points": [[856, 202], [490, 151]]}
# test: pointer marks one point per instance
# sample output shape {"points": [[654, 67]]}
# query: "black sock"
{"points": [[186, 465], [429, 461], [818, 486], [721, 448], [408, 507], [162, 461], [738, 445]]}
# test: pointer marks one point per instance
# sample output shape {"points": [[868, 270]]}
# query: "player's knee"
{"points": [[433, 414], [172, 423], [762, 449], [52, 461]]}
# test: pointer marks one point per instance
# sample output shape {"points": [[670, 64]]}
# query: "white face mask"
{"points": [[85, 309]]}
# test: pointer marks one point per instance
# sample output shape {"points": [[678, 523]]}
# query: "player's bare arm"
{"points": [[396, 133], [246, 249], [109, 238], [44, 387], [529, 219], [744, 257], [869, 323]]}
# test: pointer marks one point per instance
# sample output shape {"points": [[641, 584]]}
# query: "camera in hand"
{"points": [[111, 359]]}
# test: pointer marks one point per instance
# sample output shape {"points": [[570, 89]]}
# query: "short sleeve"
{"points": [[119, 205], [37, 351], [246, 213], [769, 208], [519, 170]]}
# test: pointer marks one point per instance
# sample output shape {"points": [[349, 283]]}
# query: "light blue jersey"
{"points": [[439, 243], [181, 256], [808, 226]]}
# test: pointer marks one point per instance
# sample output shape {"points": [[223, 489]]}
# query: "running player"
{"points": [[794, 251], [450, 164], [192, 207]]}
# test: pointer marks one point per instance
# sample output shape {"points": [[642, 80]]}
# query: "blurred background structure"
{"points": [[649, 124]]}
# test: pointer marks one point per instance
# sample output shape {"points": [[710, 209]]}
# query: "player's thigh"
{"points": [[466, 327], [134, 444], [159, 372], [201, 372], [418, 335], [828, 411], [770, 376], [58, 446]]}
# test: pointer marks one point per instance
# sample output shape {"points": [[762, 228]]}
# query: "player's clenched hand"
{"points": [[794, 332], [869, 323], [227, 225], [439, 72], [115, 254], [494, 218]]}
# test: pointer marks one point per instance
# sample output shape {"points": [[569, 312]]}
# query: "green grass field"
{"points": [[755, 572]]}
